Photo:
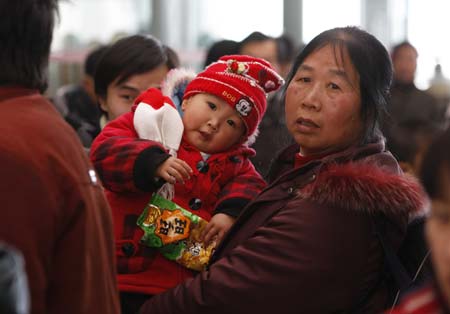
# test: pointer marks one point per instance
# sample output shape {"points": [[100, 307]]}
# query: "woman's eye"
{"points": [[333, 86], [212, 106], [304, 79]]}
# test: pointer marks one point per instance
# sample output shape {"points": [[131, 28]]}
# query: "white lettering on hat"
{"points": [[243, 107]]}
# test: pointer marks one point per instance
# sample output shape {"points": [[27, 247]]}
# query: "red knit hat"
{"points": [[243, 82]]}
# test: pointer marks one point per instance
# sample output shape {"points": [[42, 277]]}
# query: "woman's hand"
{"points": [[217, 227], [174, 170]]}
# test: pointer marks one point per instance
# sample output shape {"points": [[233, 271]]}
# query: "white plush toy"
{"points": [[159, 122], [156, 117]]}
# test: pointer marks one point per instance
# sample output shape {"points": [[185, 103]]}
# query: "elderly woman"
{"points": [[306, 244]]}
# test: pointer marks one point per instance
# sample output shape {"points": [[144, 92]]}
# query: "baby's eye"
{"points": [[231, 123], [212, 106]]}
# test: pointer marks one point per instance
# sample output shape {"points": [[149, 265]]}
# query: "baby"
{"points": [[204, 154]]}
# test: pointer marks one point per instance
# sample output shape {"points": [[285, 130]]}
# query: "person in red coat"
{"points": [[53, 210], [211, 172]]}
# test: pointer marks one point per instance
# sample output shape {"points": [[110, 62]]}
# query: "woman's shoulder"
{"points": [[372, 185]]}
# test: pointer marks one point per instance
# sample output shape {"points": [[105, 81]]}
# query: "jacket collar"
{"points": [[364, 178], [284, 162], [12, 91], [354, 152], [241, 150]]}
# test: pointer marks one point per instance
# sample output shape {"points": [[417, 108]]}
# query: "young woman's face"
{"points": [[438, 235], [210, 124], [120, 97], [323, 103]]}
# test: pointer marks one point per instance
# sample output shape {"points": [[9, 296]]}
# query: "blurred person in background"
{"points": [[286, 53], [409, 142], [128, 67], [440, 88], [173, 60], [273, 134], [77, 102], [220, 48], [53, 209], [260, 45], [434, 297], [407, 102]]}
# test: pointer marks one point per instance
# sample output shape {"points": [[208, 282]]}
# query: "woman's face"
{"points": [[120, 97], [438, 235], [323, 103]]}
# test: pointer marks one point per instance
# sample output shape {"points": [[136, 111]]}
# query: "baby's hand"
{"points": [[174, 170], [217, 227]]}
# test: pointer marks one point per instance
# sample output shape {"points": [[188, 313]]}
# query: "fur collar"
{"points": [[175, 84], [367, 187]]}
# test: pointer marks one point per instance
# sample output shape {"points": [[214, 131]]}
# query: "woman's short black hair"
{"points": [[372, 63], [92, 59], [129, 56], [173, 60], [25, 36], [435, 164]]}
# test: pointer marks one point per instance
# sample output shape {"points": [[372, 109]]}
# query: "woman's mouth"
{"points": [[306, 125]]}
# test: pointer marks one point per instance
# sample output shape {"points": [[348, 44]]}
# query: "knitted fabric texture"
{"points": [[243, 82]]}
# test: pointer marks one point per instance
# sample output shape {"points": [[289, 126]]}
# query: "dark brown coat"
{"points": [[306, 244]]}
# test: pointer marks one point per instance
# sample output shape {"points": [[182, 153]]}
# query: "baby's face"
{"points": [[211, 124]]}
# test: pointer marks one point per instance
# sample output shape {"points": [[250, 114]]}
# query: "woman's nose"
{"points": [[312, 97]]}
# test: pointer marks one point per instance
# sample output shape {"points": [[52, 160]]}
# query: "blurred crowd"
{"points": [[385, 142]]}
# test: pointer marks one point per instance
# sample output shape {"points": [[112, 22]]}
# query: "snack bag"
{"points": [[175, 232]]}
